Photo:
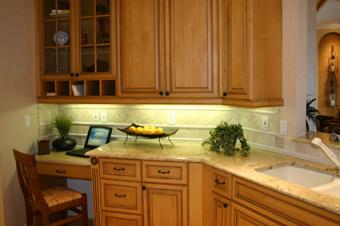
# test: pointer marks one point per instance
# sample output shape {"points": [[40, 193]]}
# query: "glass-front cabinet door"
{"points": [[95, 36], [57, 37], [76, 48]]}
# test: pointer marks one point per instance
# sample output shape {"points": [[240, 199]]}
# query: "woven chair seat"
{"points": [[60, 195]]}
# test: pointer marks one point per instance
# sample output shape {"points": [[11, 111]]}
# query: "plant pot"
{"points": [[63, 144]]}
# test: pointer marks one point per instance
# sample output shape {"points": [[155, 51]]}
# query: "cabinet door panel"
{"points": [[117, 219], [191, 46], [221, 211], [239, 64], [244, 217], [165, 205], [139, 68]]}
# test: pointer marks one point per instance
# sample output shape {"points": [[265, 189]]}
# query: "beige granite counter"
{"points": [[323, 136], [245, 167]]}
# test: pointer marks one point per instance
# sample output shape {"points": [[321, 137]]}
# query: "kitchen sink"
{"points": [[298, 175], [332, 188], [312, 179]]}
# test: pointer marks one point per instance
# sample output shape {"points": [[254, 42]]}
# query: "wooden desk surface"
{"points": [[61, 165]]}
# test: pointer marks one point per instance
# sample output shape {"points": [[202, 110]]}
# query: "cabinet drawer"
{"points": [[63, 170], [121, 196], [117, 219], [279, 206], [120, 169], [165, 172], [221, 182]]}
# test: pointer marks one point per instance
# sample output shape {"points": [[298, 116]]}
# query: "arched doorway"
{"points": [[324, 55]]}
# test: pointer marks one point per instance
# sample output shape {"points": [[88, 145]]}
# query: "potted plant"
{"points": [[311, 113], [224, 137], [63, 124]]}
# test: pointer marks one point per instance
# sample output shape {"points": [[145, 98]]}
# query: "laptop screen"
{"points": [[98, 136]]}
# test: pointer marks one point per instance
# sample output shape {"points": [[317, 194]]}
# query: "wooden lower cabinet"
{"points": [[221, 211], [165, 205], [117, 219], [244, 217], [203, 196]]}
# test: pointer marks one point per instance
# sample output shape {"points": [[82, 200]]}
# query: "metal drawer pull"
{"points": [[119, 169], [163, 171], [60, 171], [225, 205], [120, 195], [218, 182]]}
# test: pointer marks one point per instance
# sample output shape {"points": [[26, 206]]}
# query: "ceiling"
{"points": [[328, 16]]}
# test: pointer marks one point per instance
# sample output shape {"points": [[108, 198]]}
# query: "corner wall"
{"points": [[17, 99]]}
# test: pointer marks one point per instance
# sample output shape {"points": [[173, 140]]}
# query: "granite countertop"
{"points": [[323, 136], [244, 167]]}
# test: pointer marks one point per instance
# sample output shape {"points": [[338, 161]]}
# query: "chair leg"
{"points": [[84, 209], [29, 215], [45, 219]]}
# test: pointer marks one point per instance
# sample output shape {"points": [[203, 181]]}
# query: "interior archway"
{"points": [[324, 54]]}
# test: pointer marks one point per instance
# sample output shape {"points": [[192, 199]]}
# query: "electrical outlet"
{"points": [[103, 116], [172, 118], [95, 116], [283, 127], [265, 122], [27, 121]]}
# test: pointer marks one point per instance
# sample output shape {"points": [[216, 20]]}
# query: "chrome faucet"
{"points": [[330, 154]]}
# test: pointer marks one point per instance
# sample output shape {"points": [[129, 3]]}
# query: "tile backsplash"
{"points": [[194, 123]]}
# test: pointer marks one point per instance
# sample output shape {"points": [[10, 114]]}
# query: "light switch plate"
{"points": [[95, 116], [27, 121], [103, 116], [265, 122], [172, 118]]}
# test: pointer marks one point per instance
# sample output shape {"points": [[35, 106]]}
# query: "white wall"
{"points": [[295, 64], [17, 98]]}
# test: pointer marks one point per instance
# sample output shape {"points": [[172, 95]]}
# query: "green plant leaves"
{"points": [[63, 124], [224, 137]]}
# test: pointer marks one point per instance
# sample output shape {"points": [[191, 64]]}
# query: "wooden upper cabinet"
{"points": [[75, 49], [191, 46], [167, 48], [140, 47], [252, 59]]}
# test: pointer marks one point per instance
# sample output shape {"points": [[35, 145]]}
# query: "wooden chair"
{"points": [[43, 203]]}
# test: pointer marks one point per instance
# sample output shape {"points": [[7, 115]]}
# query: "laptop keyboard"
{"points": [[80, 152]]}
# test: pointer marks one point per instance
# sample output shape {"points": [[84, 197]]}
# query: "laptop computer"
{"points": [[96, 137]]}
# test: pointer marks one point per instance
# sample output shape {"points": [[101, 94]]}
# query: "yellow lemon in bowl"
{"points": [[139, 130], [159, 130], [132, 129]]}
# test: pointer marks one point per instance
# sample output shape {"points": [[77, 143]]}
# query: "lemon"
{"points": [[132, 129], [139, 130], [159, 130]]}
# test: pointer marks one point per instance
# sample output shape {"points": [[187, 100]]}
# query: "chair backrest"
{"points": [[28, 178]]}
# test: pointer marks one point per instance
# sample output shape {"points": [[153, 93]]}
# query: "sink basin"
{"points": [[302, 176], [332, 188]]}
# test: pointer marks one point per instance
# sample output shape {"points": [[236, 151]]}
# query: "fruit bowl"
{"points": [[147, 131]]}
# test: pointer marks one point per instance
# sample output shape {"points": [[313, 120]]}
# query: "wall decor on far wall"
{"points": [[328, 70], [331, 80]]}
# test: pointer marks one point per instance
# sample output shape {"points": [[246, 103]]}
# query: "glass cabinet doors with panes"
{"points": [[76, 49]]}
